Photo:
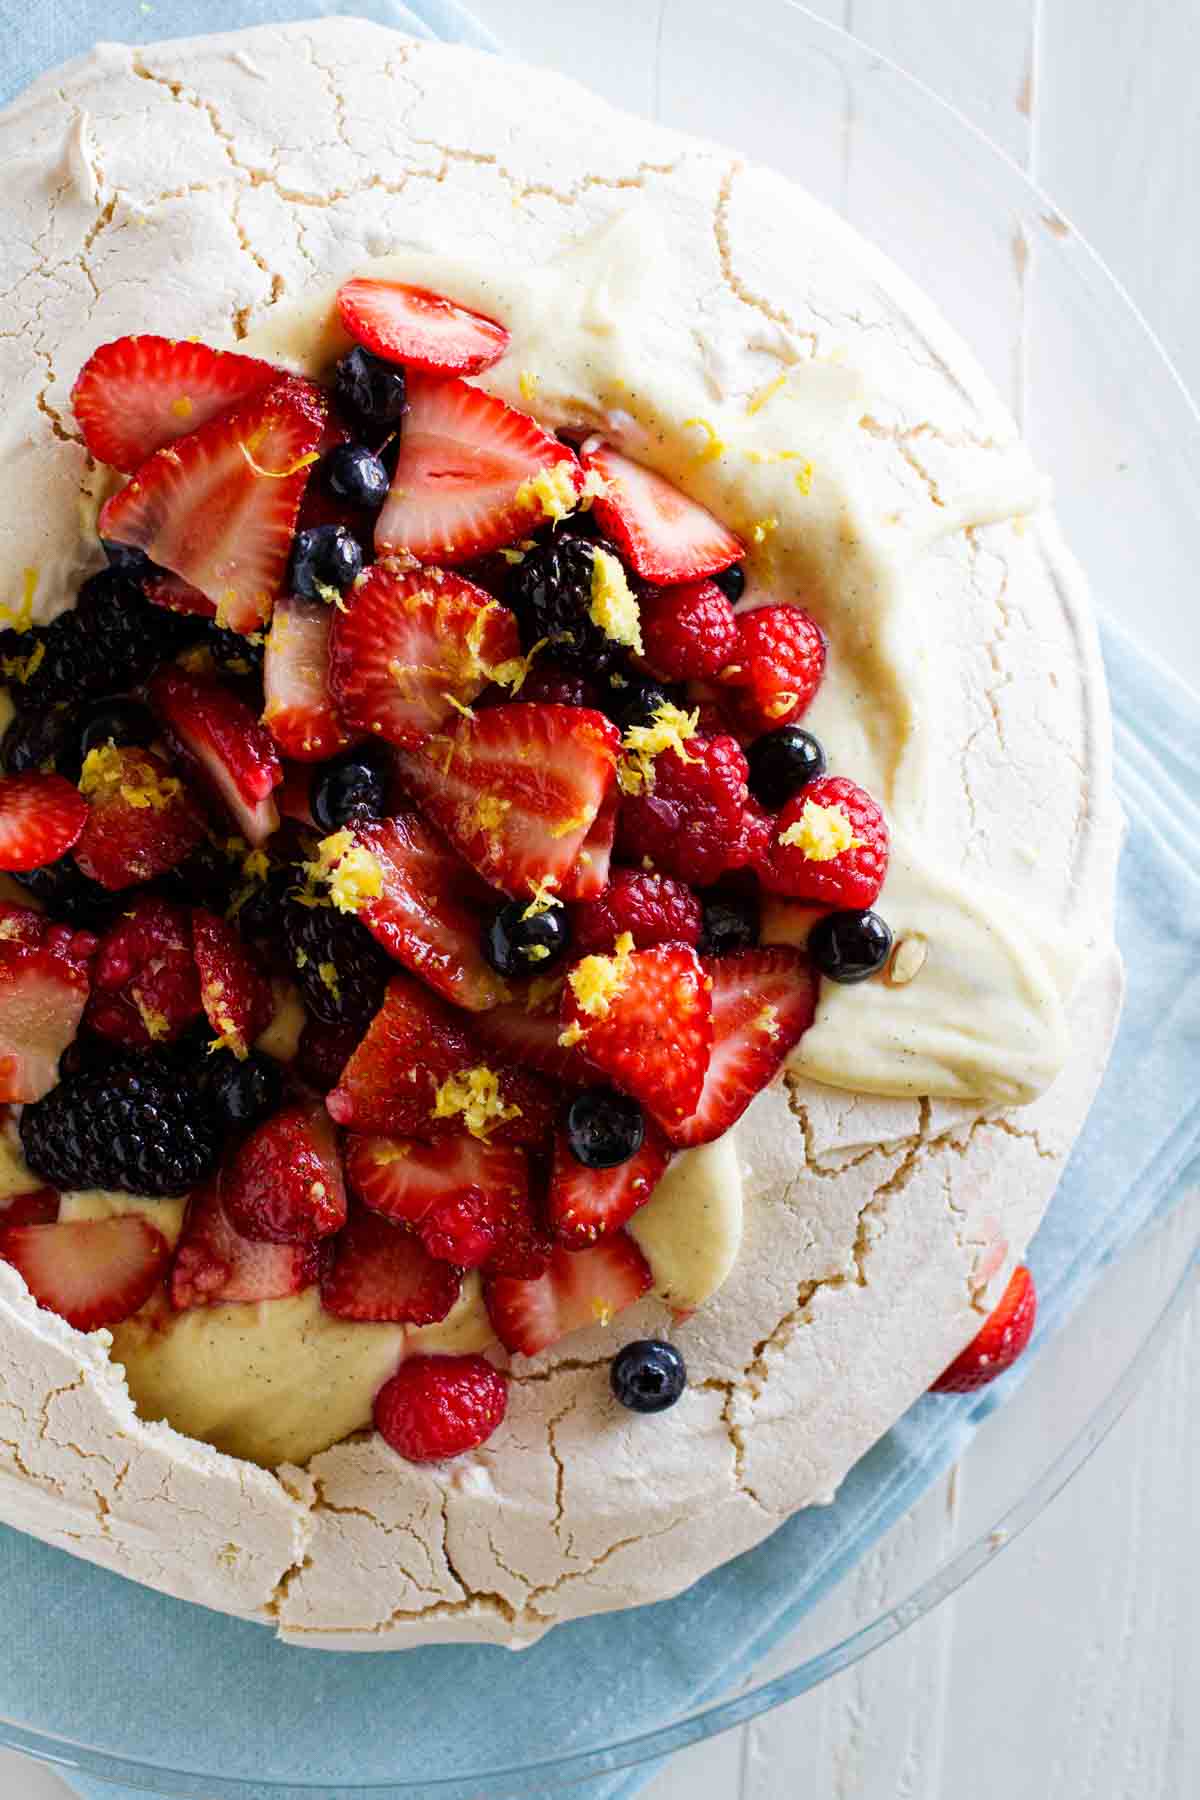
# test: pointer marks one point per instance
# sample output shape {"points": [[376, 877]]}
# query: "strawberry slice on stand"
{"points": [[666, 537], [468, 475], [517, 790], [412, 646], [579, 1288], [44, 979], [219, 738], [137, 394], [299, 712], [41, 817], [999, 1341], [141, 821], [763, 1001], [219, 506], [91, 1272], [410, 325]]}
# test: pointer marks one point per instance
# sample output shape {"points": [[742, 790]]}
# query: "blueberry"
{"points": [[42, 740], [356, 474], [370, 389], [517, 945], [242, 1093], [355, 786], [128, 560], [648, 1376], [116, 722], [849, 946], [781, 763], [637, 702], [732, 582], [325, 560], [731, 922], [604, 1128]]}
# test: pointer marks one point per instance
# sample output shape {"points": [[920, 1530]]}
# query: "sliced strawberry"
{"points": [[463, 459], [415, 1046], [523, 1247], [517, 789], [999, 1341], [380, 1271], [460, 1195], [22, 925], [137, 394], [299, 711], [145, 988], [763, 1003], [410, 645], [589, 878], [664, 535], [219, 506], [293, 796], [410, 325], [141, 821], [234, 991], [644, 1017], [38, 1207], [214, 1263], [43, 991], [41, 816], [91, 1272], [525, 1033], [431, 913], [586, 1204], [178, 596], [218, 737], [580, 1288], [285, 1184]]}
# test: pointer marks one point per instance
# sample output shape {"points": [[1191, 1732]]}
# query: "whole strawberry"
{"points": [[439, 1406], [997, 1345], [830, 845]]}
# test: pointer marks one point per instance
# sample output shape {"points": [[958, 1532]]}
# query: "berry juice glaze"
{"points": [[984, 1018]]}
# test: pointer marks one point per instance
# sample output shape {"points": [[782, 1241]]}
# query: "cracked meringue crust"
{"points": [[878, 1226]]}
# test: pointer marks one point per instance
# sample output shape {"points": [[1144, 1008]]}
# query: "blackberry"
{"points": [[339, 968], [113, 638], [129, 561], [260, 916], [551, 593], [140, 1130], [42, 740], [71, 897]]}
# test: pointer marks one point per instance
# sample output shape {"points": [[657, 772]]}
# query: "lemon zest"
{"points": [[350, 874], [714, 446], [528, 384], [596, 981], [551, 491], [301, 462], [613, 605], [670, 728], [475, 1093], [762, 528], [759, 399], [21, 618], [820, 833], [543, 898]]}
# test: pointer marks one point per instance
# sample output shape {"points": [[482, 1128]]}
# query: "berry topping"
{"points": [[219, 506], [371, 391], [91, 1272], [439, 1406], [689, 632], [137, 394], [468, 473], [644, 1018], [776, 667], [648, 1376], [410, 649], [285, 1185], [215, 1264], [41, 816], [352, 787], [579, 1288], [603, 1128], [119, 722], [523, 939], [234, 990], [517, 789], [782, 762], [355, 474], [139, 1129], [222, 742], [299, 711], [141, 819], [732, 582], [326, 560], [145, 986], [43, 989], [654, 909], [691, 820], [731, 922], [763, 1002], [830, 844], [552, 590], [849, 946], [381, 1272], [340, 971], [410, 325], [241, 1092], [999, 1342], [666, 537]]}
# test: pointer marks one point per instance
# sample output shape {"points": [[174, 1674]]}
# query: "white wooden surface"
{"points": [[1068, 1670]]}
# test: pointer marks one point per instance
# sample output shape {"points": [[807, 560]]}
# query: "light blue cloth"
{"points": [[205, 1691]]}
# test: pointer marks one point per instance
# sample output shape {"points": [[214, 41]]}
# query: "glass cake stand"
{"points": [[952, 209]]}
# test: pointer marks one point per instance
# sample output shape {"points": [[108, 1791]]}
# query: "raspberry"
{"points": [[654, 908], [692, 822], [689, 632], [812, 867], [463, 1231], [145, 987], [779, 659], [439, 1406]]}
